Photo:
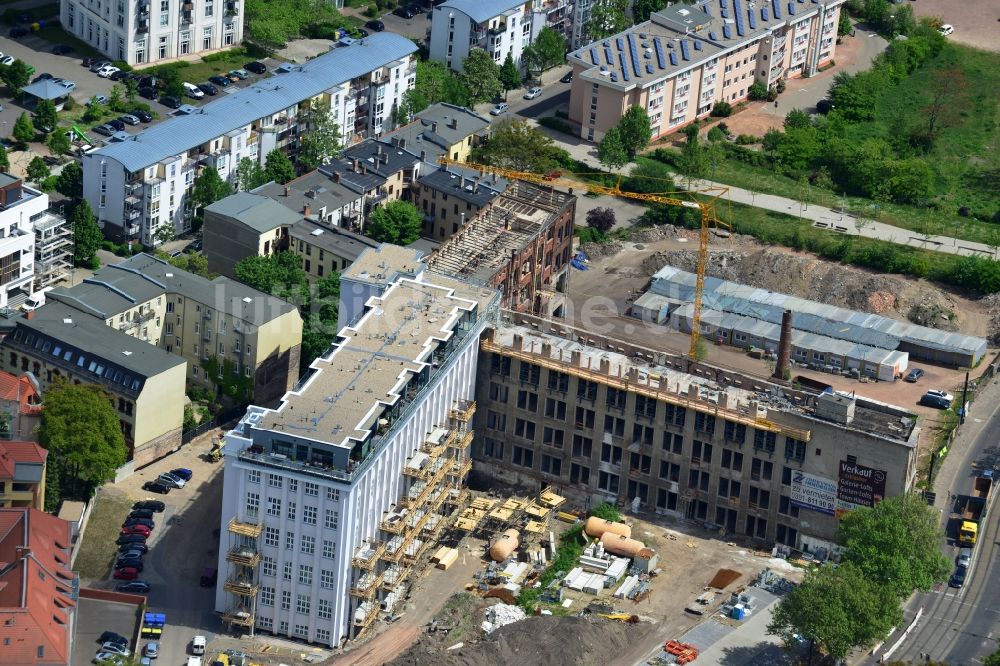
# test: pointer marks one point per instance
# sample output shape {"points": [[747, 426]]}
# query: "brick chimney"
{"points": [[287, 190], [307, 210]]}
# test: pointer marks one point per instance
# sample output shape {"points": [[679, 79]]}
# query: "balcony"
{"points": [[247, 529], [241, 585], [243, 555], [239, 616], [367, 555], [366, 585]]}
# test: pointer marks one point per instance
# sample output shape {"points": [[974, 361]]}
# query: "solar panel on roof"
{"points": [[684, 50], [705, 9], [649, 68], [697, 45], [776, 6], [660, 61], [593, 57], [764, 14], [621, 43], [738, 15], [712, 35], [608, 56], [606, 43], [727, 32], [725, 13], [614, 77], [752, 18], [621, 61], [673, 58], [635, 55], [791, 8], [723, 3]]}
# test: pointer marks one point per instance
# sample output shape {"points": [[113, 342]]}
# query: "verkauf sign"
{"points": [[860, 485]]}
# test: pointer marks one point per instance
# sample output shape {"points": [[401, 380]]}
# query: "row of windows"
{"points": [[309, 489]]}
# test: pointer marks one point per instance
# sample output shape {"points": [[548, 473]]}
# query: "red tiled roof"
{"points": [[31, 554], [12, 453], [14, 389]]}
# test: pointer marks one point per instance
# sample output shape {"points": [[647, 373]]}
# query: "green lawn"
{"points": [[219, 63], [97, 552], [965, 159], [56, 35]]}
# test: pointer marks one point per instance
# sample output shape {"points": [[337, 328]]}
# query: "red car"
{"points": [[128, 573], [137, 529]]}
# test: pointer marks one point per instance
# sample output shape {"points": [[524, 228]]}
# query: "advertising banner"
{"points": [[815, 493], [858, 485]]}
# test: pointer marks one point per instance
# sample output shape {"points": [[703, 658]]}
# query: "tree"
{"points": [[606, 18], [249, 175], [601, 219], [514, 144], [24, 131], [844, 26], [81, 431], [635, 130], [16, 76], [209, 188], [896, 544], [278, 167], [992, 660], [87, 235], [4, 160], [38, 170], [611, 150], [550, 47], [434, 83], [837, 608], [395, 222], [131, 90], [170, 77], [948, 92], [58, 143], [641, 9], [46, 116], [648, 176], [722, 110], [270, 273], [70, 181], [116, 98], [757, 91], [797, 119], [165, 233], [510, 75], [693, 162], [321, 138], [481, 76]]}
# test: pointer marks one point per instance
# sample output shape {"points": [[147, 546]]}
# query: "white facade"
{"points": [[496, 27], [139, 186], [152, 31], [20, 207], [313, 520]]}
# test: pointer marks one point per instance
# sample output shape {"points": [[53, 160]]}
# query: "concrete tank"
{"points": [[505, 545], [596, 527], [616, 544]]}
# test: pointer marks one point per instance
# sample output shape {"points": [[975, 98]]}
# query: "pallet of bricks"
{"points": [[682, 653]]}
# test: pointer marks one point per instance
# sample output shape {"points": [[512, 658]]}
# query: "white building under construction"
{"points": [[331, 497]]}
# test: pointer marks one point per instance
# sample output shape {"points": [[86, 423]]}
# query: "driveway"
{"points": [[418, 27]]}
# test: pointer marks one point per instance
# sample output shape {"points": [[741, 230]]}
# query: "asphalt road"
{"points": [[960, 627]]}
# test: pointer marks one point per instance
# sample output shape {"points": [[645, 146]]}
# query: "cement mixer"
{"points": [[596, 527], [506, 544]]}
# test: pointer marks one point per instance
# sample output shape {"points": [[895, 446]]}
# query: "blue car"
{"points": [[183, 473]]}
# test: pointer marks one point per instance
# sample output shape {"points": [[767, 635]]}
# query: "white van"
{"points": [[197, 647], [36, 300], [194, 661], [193, 91]]}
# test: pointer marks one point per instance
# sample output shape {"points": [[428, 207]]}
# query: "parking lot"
{"points": [[94, 617], [183, 543]]}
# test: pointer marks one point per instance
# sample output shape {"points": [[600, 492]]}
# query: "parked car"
{"points": [[220, 81], [946, 29], [61, 49], [499, 109], [129, 563], [240, 74], [533, 93], [182, 472], [144, 116], [7, 60], [965, 557], [824, 106], [44, 76], [128, 573], [146, 522], [170, 102], [98, 99], [131, 538], [104, 657], [256, 67], [139, 547], [107, 72], [105, 130], [944, 395], [120, 75], [149, 80], [152, 650], [935, 401], [209, 576], [149, 92], [156, 487], [567, 78], [134, 586], [112, 637], [141, 513], [958, 578], [137, 529], [415, 8], [403, 12], [155, 506], [65, 83], [375, 25], [98, 65], [18, 32], [119, 125], [192, 91], [133, 553], [208, 89], [129, 119], [169, 479], [913, 375], [115, 648]]}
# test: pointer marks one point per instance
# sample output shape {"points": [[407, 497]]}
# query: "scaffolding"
{"points": [[435, 476], [242, 583]]}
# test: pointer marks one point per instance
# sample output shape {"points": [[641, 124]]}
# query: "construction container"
{"points": [[596, 527], [505, 545], [448, 558], [617, 544]]}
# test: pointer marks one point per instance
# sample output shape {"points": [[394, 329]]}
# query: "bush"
{"points": [[715, 134], [49, 184], [722, 110], [122, 65], [607, 511], [747, 139], [758, 91], [558, 124]]}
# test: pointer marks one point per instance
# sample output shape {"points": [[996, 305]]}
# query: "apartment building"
{"points": [[687, 57], [145, 383], [441, 130], [448, 197], [326, 250], [244, 225], [520, 243], [372, 273], [38, 590], [53, 248], [620, 423], [499, 27], [19, 207], [150, 31], [321, 196], [234, 338], [330, 498], [138, 186], [21, 402], [22, 475]]}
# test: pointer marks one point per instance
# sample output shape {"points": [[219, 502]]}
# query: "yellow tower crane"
{"points": [[706, 207]]}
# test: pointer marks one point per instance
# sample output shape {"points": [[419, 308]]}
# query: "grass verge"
{"points": [[56, 35], [97, 552]]}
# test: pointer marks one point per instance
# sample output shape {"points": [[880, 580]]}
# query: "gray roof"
{"points": [[437, 128], [381, 157], [82, 335], [316, 188], [259, 213], [45, 90], [464, 186], [683, 36], [270, 96], [359, 181], [120, 287], [340, 242], [481, 10]]}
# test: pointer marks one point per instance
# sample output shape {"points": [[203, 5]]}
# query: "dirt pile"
{"points": [[992, 305], [824, 281], [532, 642]]}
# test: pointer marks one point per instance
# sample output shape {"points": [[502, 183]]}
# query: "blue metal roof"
{"points": [[181, 133], [481, 11]]}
